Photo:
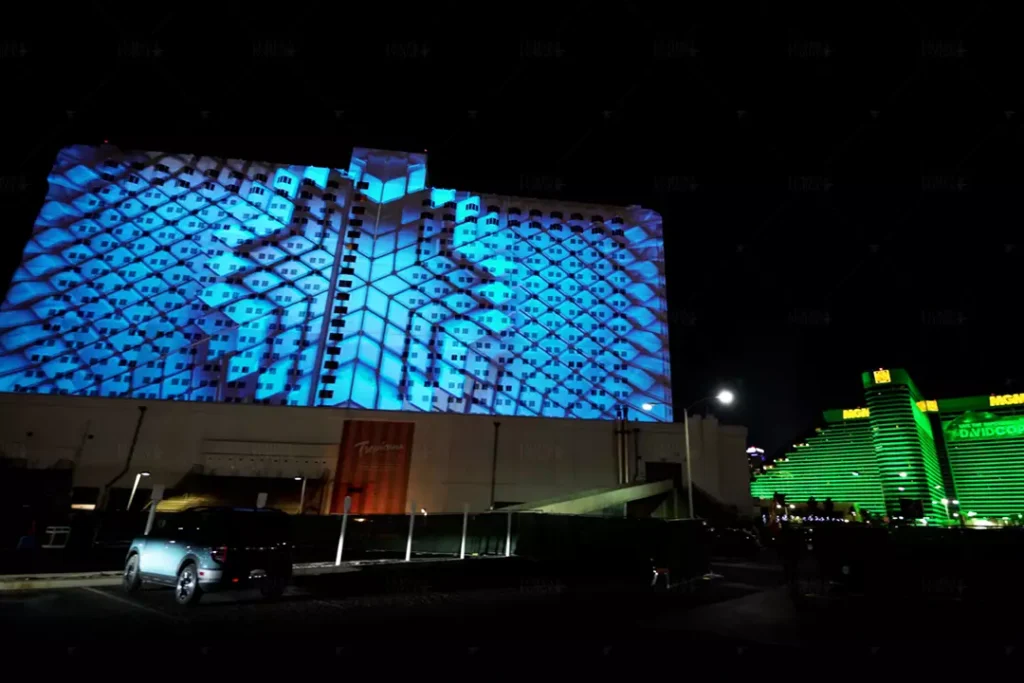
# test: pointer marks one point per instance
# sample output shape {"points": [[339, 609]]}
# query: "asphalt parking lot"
{"points": [[739, 619], [94, 616]]}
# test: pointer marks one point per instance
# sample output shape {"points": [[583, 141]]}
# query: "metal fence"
{"points": [[579, 544]]}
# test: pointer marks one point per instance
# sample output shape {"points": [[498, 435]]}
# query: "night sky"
{"points": [[839, 192]]}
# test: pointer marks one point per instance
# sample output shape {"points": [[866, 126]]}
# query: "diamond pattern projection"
{"points": [[175, 277], [193, 278]]}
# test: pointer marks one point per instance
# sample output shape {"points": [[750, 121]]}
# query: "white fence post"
{"points": [[412, 520], [344, 523], [465, 523]]}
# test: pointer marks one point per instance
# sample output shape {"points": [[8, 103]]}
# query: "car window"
{"points": [[255, 527], [217, 527], [181, 526], [164, 527]]}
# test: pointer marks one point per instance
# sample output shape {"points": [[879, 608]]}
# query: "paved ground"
{"points": [[94, 616], [746, 612]]}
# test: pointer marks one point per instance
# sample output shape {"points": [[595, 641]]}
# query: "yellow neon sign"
{"points": [[1006, 400], [928, 406], [882, 376], [855, 413]]}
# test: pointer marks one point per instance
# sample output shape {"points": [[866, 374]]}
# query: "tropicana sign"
{"points": [[364, 448]]}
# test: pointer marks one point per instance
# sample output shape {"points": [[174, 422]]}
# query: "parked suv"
{"points": [[207, 549]]}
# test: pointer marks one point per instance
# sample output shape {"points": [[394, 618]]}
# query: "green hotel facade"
{"points": [[957, 455]]}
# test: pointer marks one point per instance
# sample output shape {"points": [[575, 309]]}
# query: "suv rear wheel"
{"points": [[186, 589], [131, 581]]}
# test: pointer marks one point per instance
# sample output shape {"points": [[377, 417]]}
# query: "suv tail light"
{"points": [[220, 554]]}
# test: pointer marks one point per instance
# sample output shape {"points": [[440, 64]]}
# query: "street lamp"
{"points": [[135, 486], [725, 397]]}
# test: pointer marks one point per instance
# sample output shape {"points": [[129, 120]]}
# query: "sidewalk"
{"points": [[13, 582]]}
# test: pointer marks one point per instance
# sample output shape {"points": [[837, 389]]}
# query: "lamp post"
{"points": [[135, 486], [725, 397]]}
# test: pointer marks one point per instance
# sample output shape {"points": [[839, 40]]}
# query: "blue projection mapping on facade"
{"points": [[192, 278]]}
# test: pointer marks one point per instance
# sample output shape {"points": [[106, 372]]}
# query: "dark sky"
{"points": [[840, 191]]}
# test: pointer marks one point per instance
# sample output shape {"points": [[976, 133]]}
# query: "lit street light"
{"points": [[725, 397], [135, 486]]}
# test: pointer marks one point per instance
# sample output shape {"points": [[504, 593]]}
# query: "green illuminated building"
{"points": [[902, 449]]}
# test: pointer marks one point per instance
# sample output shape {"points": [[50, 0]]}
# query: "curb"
{"points": [[22, 582], [28, 583], [113, 578]]}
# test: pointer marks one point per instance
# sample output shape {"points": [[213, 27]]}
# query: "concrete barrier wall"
{"points": [[451, 464]]}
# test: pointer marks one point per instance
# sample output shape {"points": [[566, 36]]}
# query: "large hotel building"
{"points": [[902, 451], [171, 280], [175, 277]]}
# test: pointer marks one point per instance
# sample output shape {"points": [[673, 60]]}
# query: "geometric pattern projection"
{"points": [[192, 278], [902, 446], [175, 277]]}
